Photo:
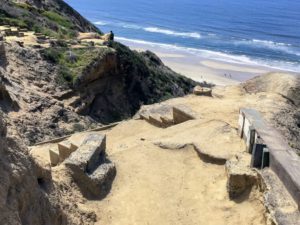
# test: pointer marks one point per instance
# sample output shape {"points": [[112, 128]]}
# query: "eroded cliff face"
{"points": [[115, 86], [29, 97], [23, 199], [29, 195], [111, 87], [48, 98]]}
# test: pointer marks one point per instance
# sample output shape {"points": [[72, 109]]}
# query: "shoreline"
{"points": [[202, 68]]}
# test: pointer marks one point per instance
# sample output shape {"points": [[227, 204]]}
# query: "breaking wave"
{"points": [[172, 33], [219, 56], [159, 30]]}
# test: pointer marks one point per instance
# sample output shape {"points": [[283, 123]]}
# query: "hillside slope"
{"points": [[69, 85], [53, 18]]}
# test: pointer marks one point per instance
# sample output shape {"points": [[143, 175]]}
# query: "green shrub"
{"points": [[52, 54], [24, 6], [65, 73], [71, 62], [55, 17], [8, 20]]}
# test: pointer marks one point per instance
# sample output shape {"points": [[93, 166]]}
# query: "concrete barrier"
{"points": [[89, 167], [87, 156], [267, 146]]}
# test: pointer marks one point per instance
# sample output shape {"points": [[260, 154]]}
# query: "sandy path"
{"points": [[156, 186], [177, 187], [159, 186]]}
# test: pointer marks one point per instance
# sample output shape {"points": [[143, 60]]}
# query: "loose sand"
{"points": [[155, 186], [163, 186]]}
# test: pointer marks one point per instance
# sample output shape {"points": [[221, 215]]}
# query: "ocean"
{"points": [[256, 32]]}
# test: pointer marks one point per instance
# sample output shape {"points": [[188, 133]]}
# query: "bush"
{"points": [[71, 62], [65, 73], [55, 17], [52, 54]]}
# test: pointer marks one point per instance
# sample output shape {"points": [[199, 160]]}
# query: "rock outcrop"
{"points": [[126, 81], [109, 85]]}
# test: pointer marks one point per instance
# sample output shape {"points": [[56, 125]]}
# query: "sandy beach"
{"points": [[201, 68]]}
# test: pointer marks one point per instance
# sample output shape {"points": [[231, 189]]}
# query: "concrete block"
{"points": [[102, 173], [286, 164], [144, 116], [257, 153], [182, 114], [250, 139], [265, 158], [88, 156], [247, 125], [241, 124], [54, 157], [64, 149], [89, 168]]}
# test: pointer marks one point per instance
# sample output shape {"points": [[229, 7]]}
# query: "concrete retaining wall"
{"points": [[262, 139]]}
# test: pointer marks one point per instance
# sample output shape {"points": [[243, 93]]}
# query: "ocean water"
{"points": [[264, 32]]}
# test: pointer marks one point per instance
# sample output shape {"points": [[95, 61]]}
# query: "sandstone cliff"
{"points": [[42, 98], [48, 91], [57, 90], [29, 194]]}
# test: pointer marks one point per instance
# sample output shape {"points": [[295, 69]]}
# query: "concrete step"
{"points": [[89, 167], [54, 156], [103, 173], [88, 156], [182, 114], [65, 149], [155, 120], [167, 121]]}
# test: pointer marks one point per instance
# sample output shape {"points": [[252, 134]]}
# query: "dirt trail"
{"points": [[161, 186], [166, 187], [187, 185]]}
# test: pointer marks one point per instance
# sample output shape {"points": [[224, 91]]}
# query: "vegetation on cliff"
{"points": [[52, 18], [114, 81], [71, 62]]}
